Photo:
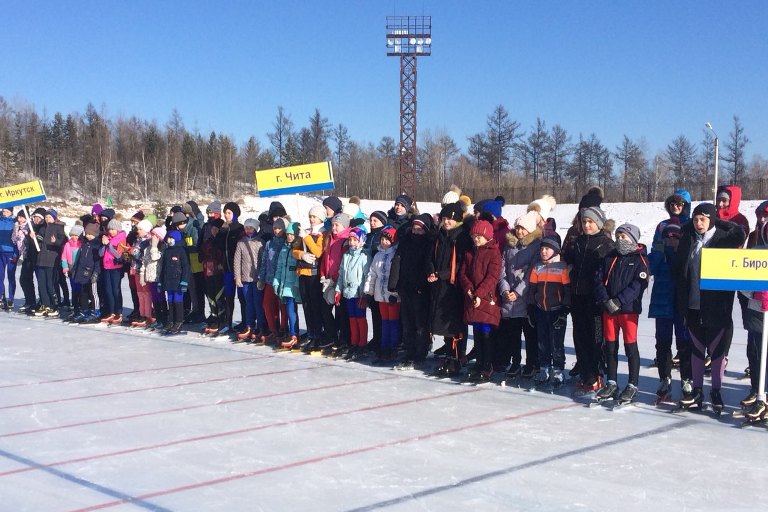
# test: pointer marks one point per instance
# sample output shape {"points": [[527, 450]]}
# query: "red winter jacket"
{"points": [[731, 212], [480, 272]]}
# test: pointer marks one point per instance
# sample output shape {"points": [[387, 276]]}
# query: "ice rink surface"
{"points": [[106, 418]]}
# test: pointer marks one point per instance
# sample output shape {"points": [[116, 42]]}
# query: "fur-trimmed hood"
{"points": [[513, 241]]}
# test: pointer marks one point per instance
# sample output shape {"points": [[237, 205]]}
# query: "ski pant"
{"points": [[275, 312], [113, 294], [587, 337], [46, 285], [77, 291], [8, 268], [144, 295], [483, 344], [551, 338], [376, 323], [214, 292], [250, 292], [229, 294], [414, 318], [358, 323], [312, 299], [716, 340], [390, 325], [509, 343], [27, 282], [754, 341], [665, 328], [87, 301]]}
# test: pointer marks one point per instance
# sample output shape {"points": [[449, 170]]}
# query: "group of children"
{"points": [[420, 275]]}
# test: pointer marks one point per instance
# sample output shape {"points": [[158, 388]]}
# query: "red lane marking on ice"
{"points": [[154, 388], [128, 372], [331, 456], [244, 430], [193, 407]]}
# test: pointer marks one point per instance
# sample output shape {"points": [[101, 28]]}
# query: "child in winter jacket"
{"points": [[350, 285], [479, 276], [112, 263], [376, 285], [307, 254], [275, 312], [85, 271], [549, 297], [141, 244], [621, 279], [150, 268], [69, 255], [247, 269], [286, 284], [173, 278], [212, 258]]}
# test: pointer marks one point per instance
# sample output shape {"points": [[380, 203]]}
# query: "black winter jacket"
{"points": [[624, 278], [88, 262], [408, 274], [585, 255], [226, 240], [51, 238], [174, 268], [447, 300]]}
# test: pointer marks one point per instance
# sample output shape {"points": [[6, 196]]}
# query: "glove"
{"points": [[183, 287], [532, 315], [392, 299], [309, 258], [561, 321], [39, 238], [337, 298], [612, 306], [260, 285]]}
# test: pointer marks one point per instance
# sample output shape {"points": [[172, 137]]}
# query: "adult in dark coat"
{"points": [[51, 237], [708, 312], [408, 277], [447, 255], [226, 241]]}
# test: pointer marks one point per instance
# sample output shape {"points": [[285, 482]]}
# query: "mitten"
{"points": [[612, 306], [309, 258]]}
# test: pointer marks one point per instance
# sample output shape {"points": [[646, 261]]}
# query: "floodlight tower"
{"points": [[408, 37]]}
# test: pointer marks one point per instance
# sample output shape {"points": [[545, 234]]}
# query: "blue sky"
{"points": [[653, 69]]}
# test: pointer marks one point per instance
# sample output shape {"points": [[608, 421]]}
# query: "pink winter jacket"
{"points": [[69, 252], [762, 297], [108, 260]]}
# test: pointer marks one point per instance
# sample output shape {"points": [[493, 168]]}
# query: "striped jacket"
{"points": [[549, 285]]}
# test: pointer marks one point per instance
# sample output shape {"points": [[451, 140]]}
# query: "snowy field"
{"points": [[108, 418]]}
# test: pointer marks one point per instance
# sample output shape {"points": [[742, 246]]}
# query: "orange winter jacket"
{"points": [[312, 243]]}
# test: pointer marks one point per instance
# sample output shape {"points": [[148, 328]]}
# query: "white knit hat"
{"points": [[529, 221]]}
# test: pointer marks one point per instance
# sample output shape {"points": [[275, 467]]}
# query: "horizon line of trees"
{"points": [[91, 156]]}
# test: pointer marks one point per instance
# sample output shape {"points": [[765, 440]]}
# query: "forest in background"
{"points": [[91, 156]]}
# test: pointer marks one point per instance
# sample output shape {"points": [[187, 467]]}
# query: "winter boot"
{"points": [[607, 392], [749, 400], [665, 390], [629, 393], [757, 412], [717, 401]]}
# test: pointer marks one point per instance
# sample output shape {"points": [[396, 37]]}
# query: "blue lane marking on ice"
{"points": [[521, 467], [85, 483]]}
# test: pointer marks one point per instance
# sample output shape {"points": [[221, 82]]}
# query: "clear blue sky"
{"points": [[654, 68]]}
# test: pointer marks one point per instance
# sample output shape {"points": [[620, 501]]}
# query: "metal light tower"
{"points": [[408, 37]]}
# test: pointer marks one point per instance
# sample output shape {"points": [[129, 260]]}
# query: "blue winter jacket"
{"points": [[286, 280], [624, 278], [6, 229], [352, 272]]}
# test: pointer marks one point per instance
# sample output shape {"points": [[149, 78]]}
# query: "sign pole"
{"points": [[31, 228], [763, 353]]}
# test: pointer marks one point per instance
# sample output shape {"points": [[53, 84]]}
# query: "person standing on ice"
{"points": [[9, 255], [621, 279], [708, 312], [308, 252]]}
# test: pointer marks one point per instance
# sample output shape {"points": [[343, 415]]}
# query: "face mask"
{"points": [[625, 246]]}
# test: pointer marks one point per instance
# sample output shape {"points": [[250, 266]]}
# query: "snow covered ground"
{"points": [[98, 418]]}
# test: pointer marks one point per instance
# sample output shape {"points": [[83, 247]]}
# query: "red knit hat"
{"points": [[390, 234], [484, 228]]}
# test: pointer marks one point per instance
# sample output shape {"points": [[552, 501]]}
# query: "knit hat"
{"points": [[350, 209], [252, 223], [593, 197], [705, 209], [92, 229], [276, 209], [176, 208], [672, 229], [484, 228], [595, 214], [115, 224], [293, 228], [214, 207], [175, 236], [108, 213], [452, 196], [53, 213], [334, 203], [317, 211], [466, 200], [279, 224], [341, 219], [404, 200], [186, 209], [631, 230], [452, 211], [139, 215], [144, 225], [178, 218], [528, 221], [39, 212], [76, 230], [378, 214], [231, 206], [544, 205], [551, 242], [389, 233], [492, 207], [96, 209], [358, 233], [160, 232], [21, 214]]}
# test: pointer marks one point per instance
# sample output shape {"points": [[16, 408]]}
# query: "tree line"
{"points": [[90, 156]]}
